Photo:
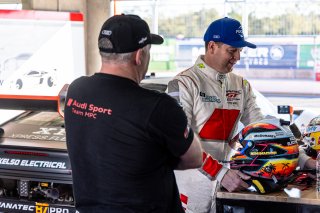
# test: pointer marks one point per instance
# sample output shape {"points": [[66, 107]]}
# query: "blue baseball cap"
{"points": [[228, 31]]}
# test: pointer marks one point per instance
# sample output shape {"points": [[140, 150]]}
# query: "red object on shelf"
{"points": [[317, 76]]}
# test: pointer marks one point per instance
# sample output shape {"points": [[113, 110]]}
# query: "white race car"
{"points": [[35, 78]]}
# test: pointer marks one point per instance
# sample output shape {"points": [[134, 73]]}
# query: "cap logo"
{"points": [[142, 40], [216, 36], [239, 32], [106, 32]]}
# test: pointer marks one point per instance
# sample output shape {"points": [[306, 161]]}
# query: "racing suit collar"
{"points": [[211, 73]]}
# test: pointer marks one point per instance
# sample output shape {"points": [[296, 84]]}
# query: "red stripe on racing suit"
{"points": [[219, 129]]}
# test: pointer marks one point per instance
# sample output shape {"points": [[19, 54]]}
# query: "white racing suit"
{"points": [[214, 104]]}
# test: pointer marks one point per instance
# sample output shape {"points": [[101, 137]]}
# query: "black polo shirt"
{"points": [[123, 142]]}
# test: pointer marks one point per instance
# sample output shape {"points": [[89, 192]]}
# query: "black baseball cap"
{"points": [[126, 33]]}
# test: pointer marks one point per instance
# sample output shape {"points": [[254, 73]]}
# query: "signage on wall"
{"points": [[269, 56], [266, 56], [40, 51], [309, 55]]}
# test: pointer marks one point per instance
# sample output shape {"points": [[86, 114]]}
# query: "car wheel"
{"points": [[50, 81], [19, 84]]}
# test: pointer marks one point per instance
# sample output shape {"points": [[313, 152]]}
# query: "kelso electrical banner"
{"points": [[24, 206], [40, 51], [52, 163]]}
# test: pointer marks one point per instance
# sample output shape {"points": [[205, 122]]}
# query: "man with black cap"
{"points": [[214, 100], [123, 140]]}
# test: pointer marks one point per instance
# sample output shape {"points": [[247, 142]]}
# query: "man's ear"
{"points": [[211, 46], [139, 56]]}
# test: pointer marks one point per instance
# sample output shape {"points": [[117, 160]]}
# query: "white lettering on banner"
{"points": [[60, 132], [39, 207], [39, 137], [45, 208], [7, 161], [14, 206], [48, 131], [258, 56], [259, 61], [58, 210], [43, 164], [259, 52], [33, 163], [30, 137]]}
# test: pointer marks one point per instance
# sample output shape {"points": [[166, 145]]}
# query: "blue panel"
{"points": [[269, 56]]}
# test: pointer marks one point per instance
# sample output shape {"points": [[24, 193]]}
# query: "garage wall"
{"points": [[95, 13]]}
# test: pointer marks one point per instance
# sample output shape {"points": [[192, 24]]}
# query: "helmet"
{"points": [[268, 153], [311, 136]]}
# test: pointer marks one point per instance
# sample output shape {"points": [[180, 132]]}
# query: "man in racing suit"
{"points": [[214, 100]]}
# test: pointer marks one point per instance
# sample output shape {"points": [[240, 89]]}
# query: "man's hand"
{"points": [[233, 181], [311, 164]]}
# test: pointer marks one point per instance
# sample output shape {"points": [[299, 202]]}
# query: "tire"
{"points": [[50, 82], [19, 84]]}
